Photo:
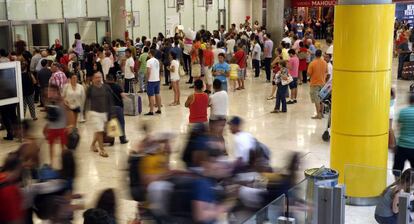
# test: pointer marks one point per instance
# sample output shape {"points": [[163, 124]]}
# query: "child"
{"points": [[281, 81], [234, 74], [276, 69], [175, 78]]}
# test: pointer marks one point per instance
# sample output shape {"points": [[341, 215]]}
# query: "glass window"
{"points": [[49, 9], [72, 29], [21, 10], [97, 8], [20, 32], [3, 11], [55, 32], [74, 8], [87, 30], [101, 30]]}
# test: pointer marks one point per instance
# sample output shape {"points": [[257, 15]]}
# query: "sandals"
{"points": [[103, 153], [94, 148], [270, 98]]}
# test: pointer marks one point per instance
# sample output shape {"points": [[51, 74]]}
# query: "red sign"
{"points": [[313, 3]]}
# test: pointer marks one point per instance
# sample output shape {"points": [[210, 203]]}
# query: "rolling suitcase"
{"points": [[132, 104]]}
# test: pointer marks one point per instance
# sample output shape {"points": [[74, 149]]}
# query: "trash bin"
{"points": [[317, 177]]}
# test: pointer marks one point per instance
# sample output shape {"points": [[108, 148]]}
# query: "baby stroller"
{"points": [[326, 94]]}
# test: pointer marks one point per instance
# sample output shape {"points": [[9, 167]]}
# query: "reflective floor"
{"points": [[283, 133]]}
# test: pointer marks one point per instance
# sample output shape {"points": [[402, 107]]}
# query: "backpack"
{"points": [[260, 158], [52, 113], [73, 139], [136, 189]]}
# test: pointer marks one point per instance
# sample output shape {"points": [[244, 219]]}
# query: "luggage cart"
{"points": [[326, 97]]}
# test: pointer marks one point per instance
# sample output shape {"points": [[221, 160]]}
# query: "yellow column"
{"points": [[363, 40]]}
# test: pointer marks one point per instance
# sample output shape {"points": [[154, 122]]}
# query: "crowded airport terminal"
{"points": [[206, 111]]}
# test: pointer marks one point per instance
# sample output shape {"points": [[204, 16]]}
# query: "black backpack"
{"points": [[137, 190], [260, 157], [73, 139]]}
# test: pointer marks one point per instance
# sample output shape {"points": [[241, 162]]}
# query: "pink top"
{"points": [[293, 66]]}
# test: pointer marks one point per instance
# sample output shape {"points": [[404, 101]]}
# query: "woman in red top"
{"points": [[197, 103], [303, 54]]}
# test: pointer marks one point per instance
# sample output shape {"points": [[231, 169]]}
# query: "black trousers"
{"points": [[256, 66], [305, 76], [9, 118], [166, 74], [129, 86], [187, 66], [401, 155], [267, 63]]}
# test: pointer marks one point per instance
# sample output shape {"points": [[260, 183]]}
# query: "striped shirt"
{"points": [[406, 121], [58, 78]]}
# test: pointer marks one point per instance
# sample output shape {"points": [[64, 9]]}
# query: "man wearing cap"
{"points": [[244, 142]]}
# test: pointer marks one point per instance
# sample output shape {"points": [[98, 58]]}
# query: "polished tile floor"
{"points": [[283, 133]]}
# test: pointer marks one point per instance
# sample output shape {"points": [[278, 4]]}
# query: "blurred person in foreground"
{"points": [[55, 128], [107, 202], [405, 144], [11, 206], [387, 209]]}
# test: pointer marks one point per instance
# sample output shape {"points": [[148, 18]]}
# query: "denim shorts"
{"points": [[294, 84], [153, 88]]}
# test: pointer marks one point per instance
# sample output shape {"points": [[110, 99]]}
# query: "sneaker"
{"points": [[8, 138], [295, 101], [124, 141], [149, 114], [158, 112], [270, 98], [274, 112], [290, 102], [192, 87], [140, 91]]}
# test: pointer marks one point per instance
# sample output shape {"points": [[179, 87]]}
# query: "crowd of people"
{"points": [[89, 83]]}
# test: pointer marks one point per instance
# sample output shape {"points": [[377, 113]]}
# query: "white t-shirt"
{"points": [[230, 46], [244, 142], [154, 65], [174, 75], [219, 104], [287, 40], [330, 50], [129, 73], [257, 50]]}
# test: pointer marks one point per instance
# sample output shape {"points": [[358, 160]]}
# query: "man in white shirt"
{"points": [[330, 48], [230, 43], [129, 72], [153, 83], [257, 50], [287, 39], [244, 142], [218, 103]]}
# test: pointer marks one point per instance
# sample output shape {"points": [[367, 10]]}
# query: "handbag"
{"points": [[287, 81], [113, 128], [181, 71]]}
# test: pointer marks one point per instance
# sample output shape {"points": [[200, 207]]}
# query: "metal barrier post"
{"points": [[284, 220], [325, 205], [404, 214], [339, 204]]}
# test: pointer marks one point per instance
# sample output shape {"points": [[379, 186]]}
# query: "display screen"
{"points": [[8, 88]]}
